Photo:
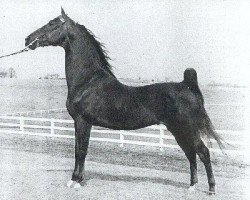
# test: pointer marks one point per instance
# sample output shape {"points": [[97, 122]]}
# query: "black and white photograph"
{"points": [[124, 100]]}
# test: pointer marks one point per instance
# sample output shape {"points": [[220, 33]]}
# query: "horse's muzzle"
{"points": [[31, 44]]}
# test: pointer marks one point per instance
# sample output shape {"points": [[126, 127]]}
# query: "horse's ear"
{"points": [[63, 13]]}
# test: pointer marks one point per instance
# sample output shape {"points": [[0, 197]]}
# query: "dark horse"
{"points": [[96, 97]]}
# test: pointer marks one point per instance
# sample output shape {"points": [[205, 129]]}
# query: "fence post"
{"points": [[52, 126], [121, 139], [21, 124], [161, 141]]}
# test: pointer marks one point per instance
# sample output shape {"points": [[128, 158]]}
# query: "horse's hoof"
{"points": [[77, 186], [70, 182], [192, 188], [211, 192]]}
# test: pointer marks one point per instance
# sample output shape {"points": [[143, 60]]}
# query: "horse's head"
{"points": [[54, 33]]}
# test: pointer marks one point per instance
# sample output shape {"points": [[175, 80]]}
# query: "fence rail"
{"points": [[23, 125], [56, 110], [33, 112]]}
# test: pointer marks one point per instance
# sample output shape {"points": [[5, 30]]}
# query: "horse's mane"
{"points": [[100, 48]]}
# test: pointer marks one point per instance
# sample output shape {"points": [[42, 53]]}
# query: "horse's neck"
{"points": [[81, 67]]}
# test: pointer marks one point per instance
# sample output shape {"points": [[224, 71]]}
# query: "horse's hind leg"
{"points": [[193, 168], [190, 153], [204, 155]]}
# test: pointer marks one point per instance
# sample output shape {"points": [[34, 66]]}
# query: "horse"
{"points": [[97, 98]]}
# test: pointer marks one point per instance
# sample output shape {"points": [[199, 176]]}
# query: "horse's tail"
{"points": [[204, 123], [207, 130]]}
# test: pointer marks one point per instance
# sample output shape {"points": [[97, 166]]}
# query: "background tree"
{"points": [[12, 73]]}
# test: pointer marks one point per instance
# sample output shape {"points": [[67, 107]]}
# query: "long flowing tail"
{"points": [[206, 128], [205, 125]]}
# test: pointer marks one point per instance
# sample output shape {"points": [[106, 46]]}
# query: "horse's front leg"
{"points": [[82, 135]]}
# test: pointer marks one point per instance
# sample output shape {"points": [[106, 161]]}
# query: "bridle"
{"points": [[27, 47]]}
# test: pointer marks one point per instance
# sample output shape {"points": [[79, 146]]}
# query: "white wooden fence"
{"points": [[56, 110], [34, 126]]}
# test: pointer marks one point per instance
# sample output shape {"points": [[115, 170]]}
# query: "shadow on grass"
{"points": [[127, 178]]}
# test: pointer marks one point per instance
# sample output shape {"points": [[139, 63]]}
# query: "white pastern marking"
{"points": [[192, 188], [77, 186], [70, 182]]}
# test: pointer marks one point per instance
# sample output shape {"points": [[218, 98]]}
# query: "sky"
{"points": [[150, 39]]}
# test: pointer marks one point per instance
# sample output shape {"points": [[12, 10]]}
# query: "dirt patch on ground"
{"points": [[38, 168]]}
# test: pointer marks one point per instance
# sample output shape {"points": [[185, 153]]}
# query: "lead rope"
{"points": [[21, 51]]}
